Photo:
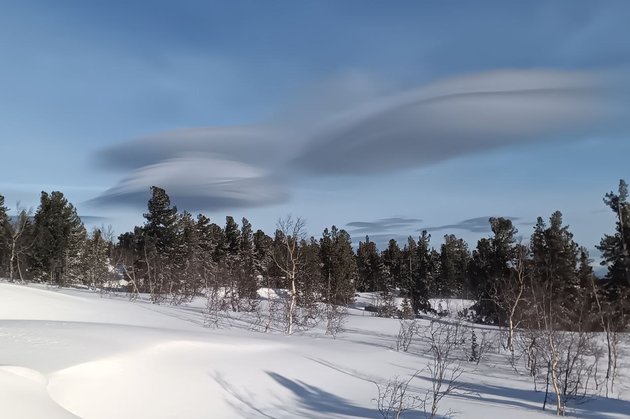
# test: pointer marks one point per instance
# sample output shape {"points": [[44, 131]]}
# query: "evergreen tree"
{"points": [[616, 256], [230, 268], [491, 267], [417, 272], [187, 260], [368, 265], [208, 242], [263, 259], [452, 277], [247, 285], [59, 239], [345, 267], [160, 245], [426, 272], [392, 258], [554, 265], [311, 287], [339, 268], [615, 248], [95, 259], [161, 222]]}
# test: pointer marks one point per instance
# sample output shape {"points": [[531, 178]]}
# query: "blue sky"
{"points": [[383, 118]]}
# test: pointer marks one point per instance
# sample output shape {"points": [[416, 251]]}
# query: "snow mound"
{"points": [[24, 395]]}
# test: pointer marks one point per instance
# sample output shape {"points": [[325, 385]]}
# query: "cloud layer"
{"points": [[243, 166]]}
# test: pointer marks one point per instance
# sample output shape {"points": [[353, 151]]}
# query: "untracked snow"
{"points": [[72, 353]]}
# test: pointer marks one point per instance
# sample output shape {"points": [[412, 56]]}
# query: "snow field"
{"points": [[72, 353]]}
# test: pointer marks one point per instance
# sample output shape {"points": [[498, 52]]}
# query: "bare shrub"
{"points": [[335, 319], [444, 368], [216, 307], [395, 398], [408, 329]]}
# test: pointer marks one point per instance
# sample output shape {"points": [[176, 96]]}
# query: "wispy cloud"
{"points": [[475, 225], [382, 225]]}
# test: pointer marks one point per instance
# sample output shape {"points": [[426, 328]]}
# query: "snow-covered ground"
{"points": [[72, 353]]}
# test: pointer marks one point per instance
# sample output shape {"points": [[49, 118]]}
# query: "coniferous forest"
{"points": [[175, 256]]}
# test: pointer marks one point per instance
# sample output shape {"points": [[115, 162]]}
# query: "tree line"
{"points": [[175, 256]]}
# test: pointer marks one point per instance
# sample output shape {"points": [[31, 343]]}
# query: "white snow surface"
{"points": [[73, 353]]}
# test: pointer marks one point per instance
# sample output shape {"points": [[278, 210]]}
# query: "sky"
{"points": [[383, 118]]}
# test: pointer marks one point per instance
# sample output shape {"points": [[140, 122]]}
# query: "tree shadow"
{"points": [[312, 399], [590, 407]]}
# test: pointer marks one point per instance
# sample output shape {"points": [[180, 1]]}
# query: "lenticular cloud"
{"points": [[244, 166]]}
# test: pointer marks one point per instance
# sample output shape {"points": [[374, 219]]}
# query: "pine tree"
{"points": [[339, 268], [452, 278], [615, 248], [95, 259], [368, 261], [263, 259], [161, 220], [187, 260], [554, 265], [247, 284], [345, 267], [59, 240], [311, 287], [159, 245], [207, 242], [491, 268], [392, 258]]}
